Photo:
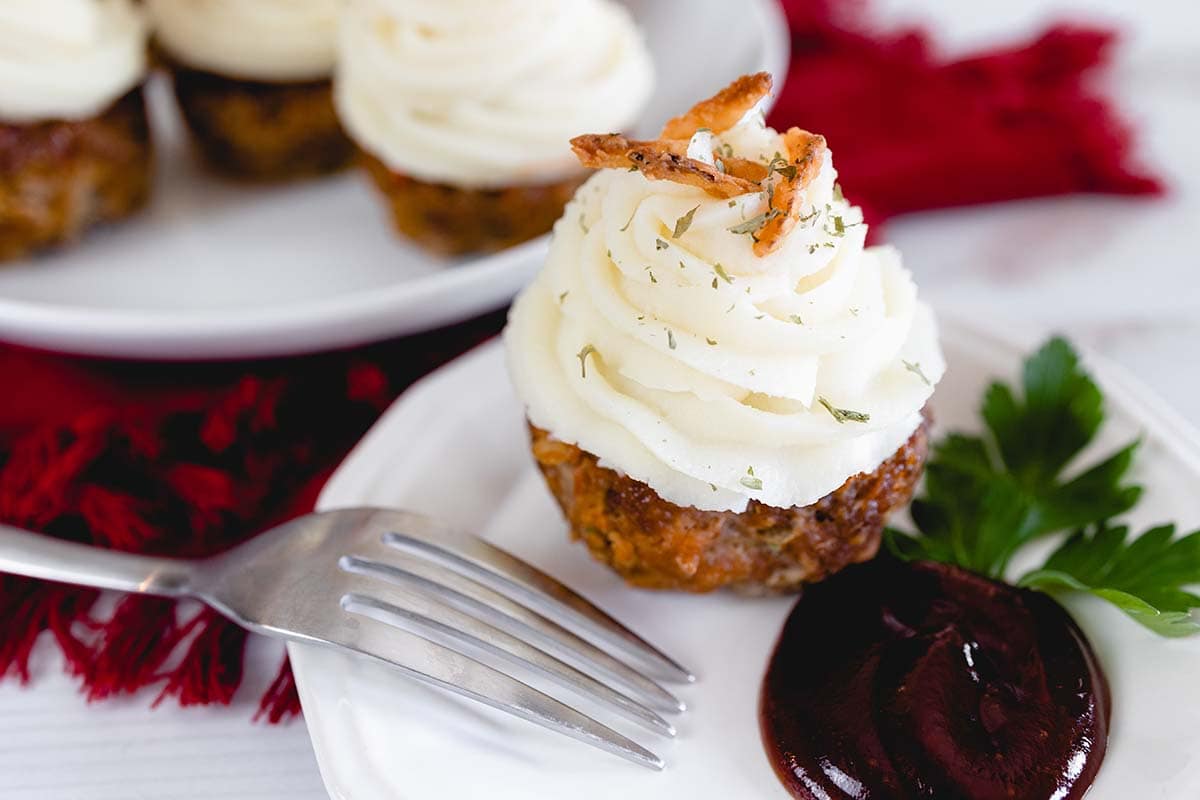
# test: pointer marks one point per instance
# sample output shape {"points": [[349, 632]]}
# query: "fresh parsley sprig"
{"points": [[988, 496]]}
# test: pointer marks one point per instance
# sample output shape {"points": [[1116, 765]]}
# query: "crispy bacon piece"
{"points": [[745, 168], [721, 111], [667, 159], [805, 153], [662, 160], [611, 150]]}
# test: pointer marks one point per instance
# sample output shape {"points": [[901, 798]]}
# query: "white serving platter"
{"points": [[216, 269]]}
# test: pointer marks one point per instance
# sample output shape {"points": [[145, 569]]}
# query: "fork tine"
{"points": [[433, 616], [489, 605], [440, 666], [493, 567]]}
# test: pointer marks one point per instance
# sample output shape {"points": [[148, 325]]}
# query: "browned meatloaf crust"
{"points": [[262, 131], [60, 177], [452, 220], [656, 544]]}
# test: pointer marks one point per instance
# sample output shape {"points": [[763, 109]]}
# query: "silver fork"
{"points": [[399, 587]]}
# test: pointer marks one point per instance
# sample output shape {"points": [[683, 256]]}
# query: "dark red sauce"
{"points": [[923, 680]]}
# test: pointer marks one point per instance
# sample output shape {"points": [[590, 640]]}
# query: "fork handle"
{"points": [[33, 555]]}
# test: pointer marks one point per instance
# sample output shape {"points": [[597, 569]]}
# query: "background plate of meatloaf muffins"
{"points": [[214, 268], [456, 446]]}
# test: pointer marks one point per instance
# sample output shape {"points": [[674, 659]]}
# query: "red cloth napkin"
{"points": [[909, 132], [187, 459], [177, 459]]}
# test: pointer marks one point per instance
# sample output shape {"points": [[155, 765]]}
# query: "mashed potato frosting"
{"points": [[260, 40], [68, 59], [484, 95], [656, 339]]}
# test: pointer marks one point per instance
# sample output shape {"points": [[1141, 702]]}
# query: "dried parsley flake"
{"points": [[683, 223], [582, 356], [843, 415], [915, 368], [750, 481]]}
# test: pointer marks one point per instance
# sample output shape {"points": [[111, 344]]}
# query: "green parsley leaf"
{"points": [[670, 339], [712, 342], [987, 496], [721, 273], [659, 244], [1143, 577], [1060, 413]]}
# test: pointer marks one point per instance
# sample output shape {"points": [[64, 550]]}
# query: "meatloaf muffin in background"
{"points": [[253, 79], [75, 147], [463, 110], [725, 387]]}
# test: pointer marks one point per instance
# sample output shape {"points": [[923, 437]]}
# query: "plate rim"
{"points": [[366, 316]]}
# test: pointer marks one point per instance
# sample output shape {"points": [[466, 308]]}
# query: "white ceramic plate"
{"points": [[215, 269], [455, 446]]}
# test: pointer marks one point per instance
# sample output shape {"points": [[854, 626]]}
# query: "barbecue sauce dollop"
{"points": [[923, 680]]}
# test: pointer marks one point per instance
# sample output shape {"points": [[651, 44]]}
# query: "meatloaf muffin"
{"points": [[253, 80], [262, 131], [74, 143], [655, 544], [451, 220], [463, 111], [726, 386], [61, 177]]}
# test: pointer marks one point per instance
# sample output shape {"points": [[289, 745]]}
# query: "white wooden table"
{"points": [[1119, 275]]}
